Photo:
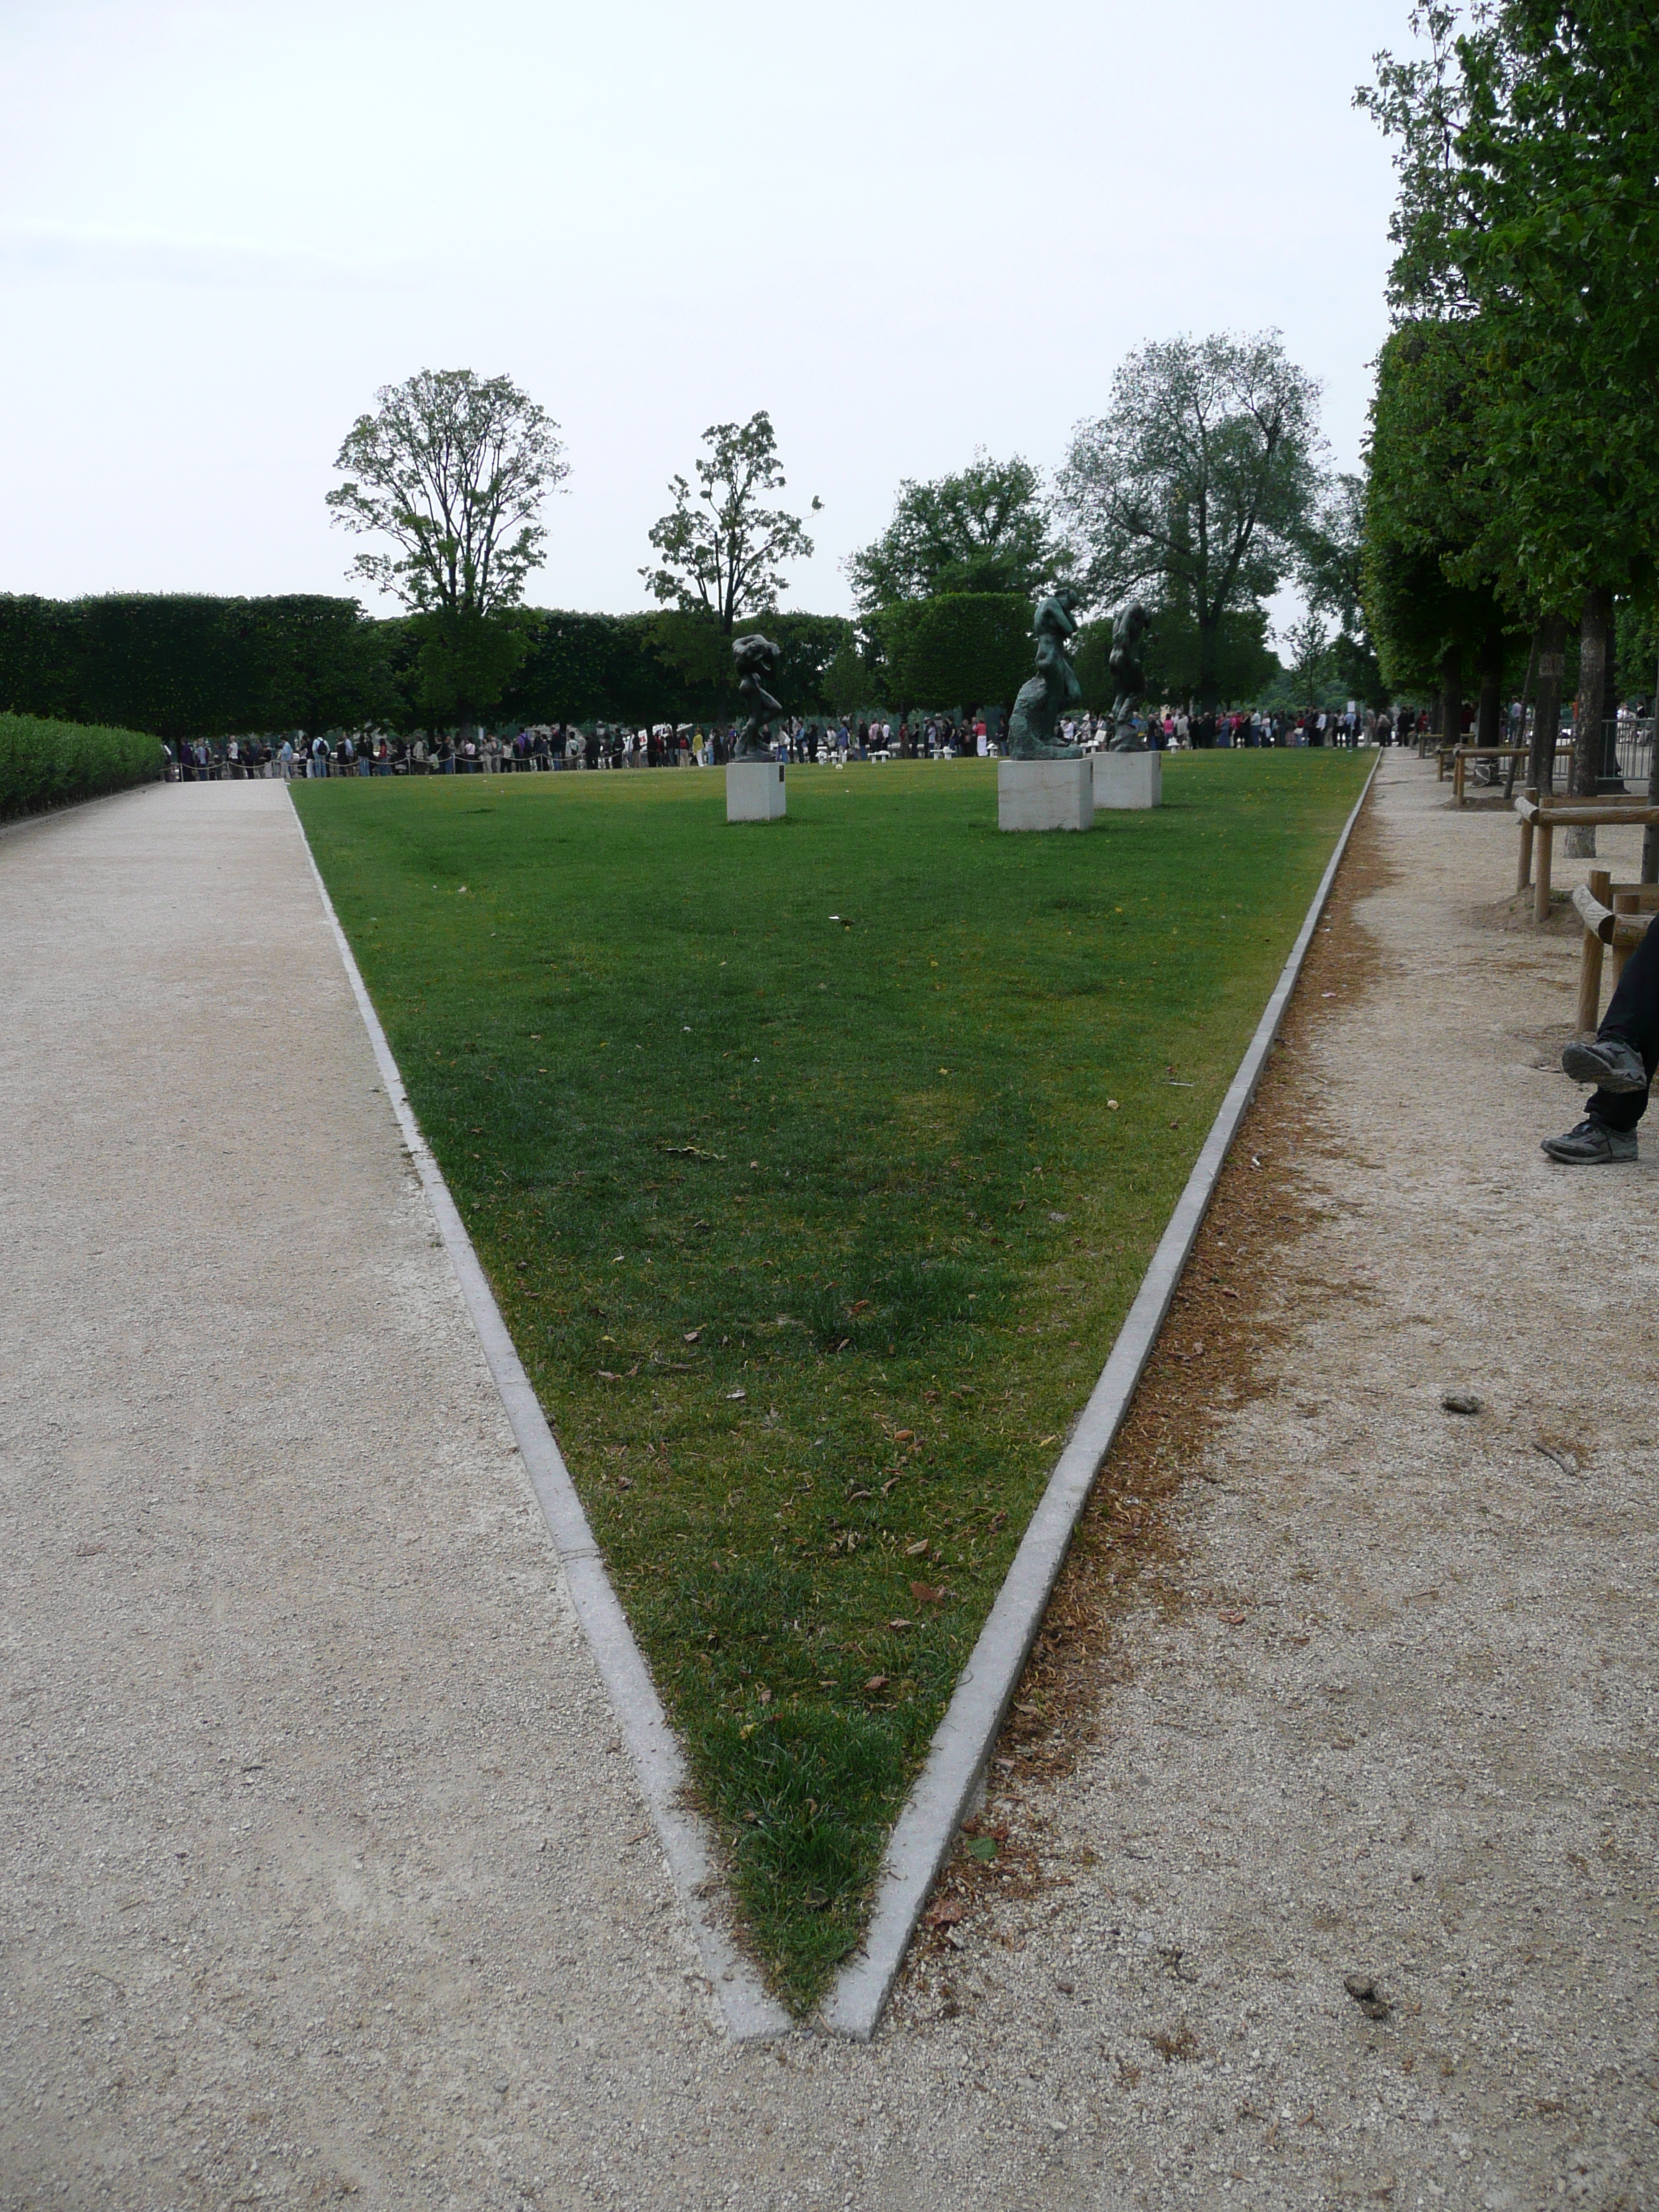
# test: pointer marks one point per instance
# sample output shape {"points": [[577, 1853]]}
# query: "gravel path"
{"points": [[323, 1879]]}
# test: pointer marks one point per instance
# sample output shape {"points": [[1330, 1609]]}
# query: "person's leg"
{"points": [[1621, 1062], [1629, 1035]]}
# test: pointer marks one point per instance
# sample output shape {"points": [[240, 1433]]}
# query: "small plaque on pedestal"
{"points": [[1045, 794], [1125, 780], [754, 791]]}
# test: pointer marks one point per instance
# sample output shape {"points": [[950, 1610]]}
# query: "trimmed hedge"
{"points": [[54, 764], [182, 665], [965, 649], [186, 666]]}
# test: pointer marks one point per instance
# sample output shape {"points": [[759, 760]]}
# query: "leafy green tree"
{"points": [[1244, 663], [808, 646], [452, 468], [1528, 144], [1431, 598], [723, 549], [1331, 565], [984, 528], [699, 652], [854, 678], [1311, 670], [1194, 488], [959, 649]]}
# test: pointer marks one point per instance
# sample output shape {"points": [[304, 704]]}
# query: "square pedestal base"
{"points": [[1128, 779], [1045, 794], [754, 792]]}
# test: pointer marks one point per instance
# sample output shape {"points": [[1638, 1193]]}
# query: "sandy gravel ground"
{"points": [[323, 1880]]}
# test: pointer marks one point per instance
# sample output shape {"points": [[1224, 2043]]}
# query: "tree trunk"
{"points": [[1611, 780], [1651, 835], [1595, 624], [1487, 726], [1451, 695], [1209, 683], [1546, 716]]}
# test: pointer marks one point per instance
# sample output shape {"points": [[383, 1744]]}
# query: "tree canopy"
{"points": [[723, 549], [452, 468], [956, 648], [1194, 487], [1527, 228], [985, 528]]}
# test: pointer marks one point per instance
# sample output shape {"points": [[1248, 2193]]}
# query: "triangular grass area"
{"points": [[814, 1234]]}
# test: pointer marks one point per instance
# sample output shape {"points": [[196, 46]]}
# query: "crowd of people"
{"points": [[550, 747]]}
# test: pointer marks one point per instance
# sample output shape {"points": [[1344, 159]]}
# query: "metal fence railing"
{"points": [[1635, 742]]}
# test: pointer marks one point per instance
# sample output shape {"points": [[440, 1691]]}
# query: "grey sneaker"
{"points": [[1592, 1143], [1607, 1062]]}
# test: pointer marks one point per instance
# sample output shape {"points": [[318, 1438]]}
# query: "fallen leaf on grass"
{"points": [[898, 1624], [876, 1682], [925, 1593], [692, 1334], [915, 1551], [736, 1394], [605, 1375]]}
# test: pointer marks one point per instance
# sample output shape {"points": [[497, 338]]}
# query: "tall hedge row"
{"points": [[961, 649], [186, 666], [45, 764]]}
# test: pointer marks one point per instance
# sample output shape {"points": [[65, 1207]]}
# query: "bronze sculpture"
{"points": [[1045, 696], [1130, 677], [756, 655]]}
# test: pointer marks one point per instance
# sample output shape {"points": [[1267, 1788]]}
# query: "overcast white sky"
{"points": [[907, 227]]}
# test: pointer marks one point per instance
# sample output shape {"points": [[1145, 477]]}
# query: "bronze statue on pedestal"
{"points": [[756, 656], [1130, 677], [1045, 696]]}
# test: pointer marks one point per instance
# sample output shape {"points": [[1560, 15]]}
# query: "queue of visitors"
{"points": [[550, 747]]}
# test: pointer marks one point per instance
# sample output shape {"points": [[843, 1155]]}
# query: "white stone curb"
{"points": [[687, 1842], [937, 1804]]}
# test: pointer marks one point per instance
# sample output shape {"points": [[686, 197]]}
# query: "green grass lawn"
{"points": [[814, 1234]]}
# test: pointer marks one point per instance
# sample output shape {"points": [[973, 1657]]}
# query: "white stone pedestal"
{"points": [[1045, 794], [1125, 780], [754, 791]]}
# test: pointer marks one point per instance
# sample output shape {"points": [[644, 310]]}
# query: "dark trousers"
{"points": [[1633, 1016]]}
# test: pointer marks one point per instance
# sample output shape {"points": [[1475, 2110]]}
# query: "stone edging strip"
{"points": [[964, 1741], [659, 1763]]}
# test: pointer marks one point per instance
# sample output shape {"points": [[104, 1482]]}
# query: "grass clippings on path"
{"points": [[1216, 1352], [815, 1165]]}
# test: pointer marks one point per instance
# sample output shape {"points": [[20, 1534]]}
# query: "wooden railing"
{"points": [[1540, 821], [1616, 918]]}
